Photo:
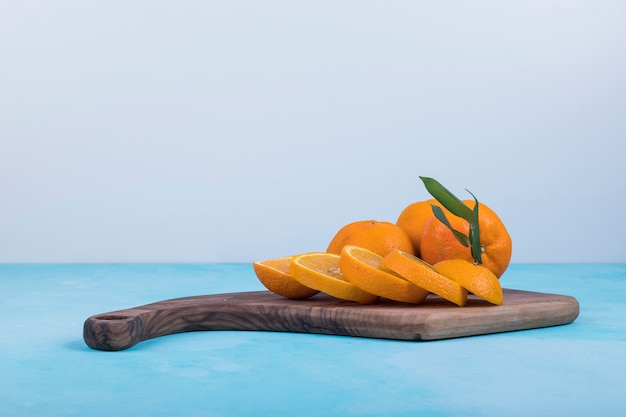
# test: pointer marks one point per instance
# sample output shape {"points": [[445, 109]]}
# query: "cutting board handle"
{"points": [[122, 329], [119, 330]]}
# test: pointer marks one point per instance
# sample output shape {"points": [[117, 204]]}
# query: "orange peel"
{"points": [[477, 279], [275, 276]]}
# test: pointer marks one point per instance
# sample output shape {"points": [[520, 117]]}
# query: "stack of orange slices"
{"points": [[363, 276]]}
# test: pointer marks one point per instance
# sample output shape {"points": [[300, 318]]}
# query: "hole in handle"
{"points": [[112, 317]]}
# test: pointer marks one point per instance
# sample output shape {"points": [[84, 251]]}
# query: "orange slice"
{"points": [[275, 276], [423, 275], [364, 268], [321, 271], [477, 279]]}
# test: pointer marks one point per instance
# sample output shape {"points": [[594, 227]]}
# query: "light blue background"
{"points": [[199, 131]]}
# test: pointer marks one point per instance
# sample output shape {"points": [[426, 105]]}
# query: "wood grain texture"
{"points": [[434, 319]]}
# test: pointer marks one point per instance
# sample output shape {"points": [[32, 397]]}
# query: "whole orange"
{"points": [[379, 237], [413, 219], [438, 243]]}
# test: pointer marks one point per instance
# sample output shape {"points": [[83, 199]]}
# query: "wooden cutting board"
{"points": [[434, 319]]}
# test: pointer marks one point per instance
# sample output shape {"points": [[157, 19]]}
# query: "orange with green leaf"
{"points": [[457, 231]]}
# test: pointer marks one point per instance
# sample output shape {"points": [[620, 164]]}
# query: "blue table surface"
{"points": [[47, 370]]}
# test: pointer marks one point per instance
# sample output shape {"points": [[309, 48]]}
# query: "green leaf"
{"points": [[449, 200], [461, 237], [474, 234]]}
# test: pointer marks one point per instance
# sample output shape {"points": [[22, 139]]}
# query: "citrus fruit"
{"points": [[413, 219], [364, 269], [321, 271], [438, 243], [423, 275], [379, 237], [477, 279], [275, 276]]}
